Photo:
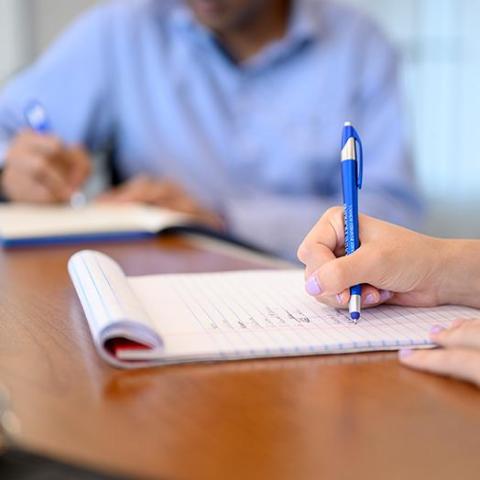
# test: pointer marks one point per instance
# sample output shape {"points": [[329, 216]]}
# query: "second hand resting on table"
{"points": [[162, 193], [401, 267], [42, 169]]}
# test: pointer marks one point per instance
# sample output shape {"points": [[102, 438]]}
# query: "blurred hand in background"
{"points": [[41, 168], [162, 193]]}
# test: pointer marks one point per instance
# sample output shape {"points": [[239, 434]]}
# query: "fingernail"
{"points": [[436, 329], [370, 299], [385, 295], [339, 298], [313, 287], [405, 352]]}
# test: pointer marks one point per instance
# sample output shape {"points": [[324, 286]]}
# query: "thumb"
{"points": [[342, 273]]}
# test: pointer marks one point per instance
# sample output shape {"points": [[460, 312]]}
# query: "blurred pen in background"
{"points": [[37, 119]]}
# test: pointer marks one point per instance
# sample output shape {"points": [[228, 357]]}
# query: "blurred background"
{"points": [[439, 41]]}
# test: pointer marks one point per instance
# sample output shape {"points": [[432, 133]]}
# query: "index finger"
{"points": [[324, 242], [454, 362], [46, 172], [42, 143], [465, 334]]}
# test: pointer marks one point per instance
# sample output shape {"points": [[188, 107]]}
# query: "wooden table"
{"points": [[337, 417]]}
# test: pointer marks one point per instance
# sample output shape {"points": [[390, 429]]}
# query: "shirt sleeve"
{"points": [[71, 81], [280, 222]]}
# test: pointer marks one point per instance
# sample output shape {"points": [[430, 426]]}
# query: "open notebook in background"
{"points": [[29, 225], [163, 319]]}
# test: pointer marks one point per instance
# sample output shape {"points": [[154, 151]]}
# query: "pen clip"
{"points": [[356, 137]]}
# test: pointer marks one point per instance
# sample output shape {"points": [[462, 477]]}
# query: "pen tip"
{"points": [[355, 316], [347, 124]]}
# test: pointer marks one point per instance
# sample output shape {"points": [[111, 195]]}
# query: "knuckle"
{"points": [[53, 143], [23, 136], [334, 212], [335, 277], [303, 252], [38, 166]]}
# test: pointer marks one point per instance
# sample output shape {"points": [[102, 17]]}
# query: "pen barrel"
{"points": [[356, 290], [350, 205]]}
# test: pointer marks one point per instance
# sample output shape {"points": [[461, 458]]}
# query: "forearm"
{"points": [[459, 272]]}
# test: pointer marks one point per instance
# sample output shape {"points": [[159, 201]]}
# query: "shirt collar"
{"points": [[303, 28], [182, 17], [305, 25]]}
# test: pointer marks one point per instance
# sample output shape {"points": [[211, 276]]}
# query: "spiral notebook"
{"points": [[176, 318]]}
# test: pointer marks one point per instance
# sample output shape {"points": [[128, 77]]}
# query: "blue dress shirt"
{"points": [[257, 141]]}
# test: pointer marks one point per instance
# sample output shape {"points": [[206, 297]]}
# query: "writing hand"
{"points": [[396, 265], [40, 168]]}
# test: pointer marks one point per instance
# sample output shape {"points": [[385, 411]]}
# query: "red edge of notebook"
{"points": [[115, 345]]}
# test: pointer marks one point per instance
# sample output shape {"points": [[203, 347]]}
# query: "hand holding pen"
{"points": [[352, 175], [40, 168]]}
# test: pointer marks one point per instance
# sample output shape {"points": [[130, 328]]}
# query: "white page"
{"points": [[33, 221], [111, 308], [268, 313]]}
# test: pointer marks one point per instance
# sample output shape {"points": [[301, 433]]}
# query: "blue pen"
{"points": [[352, 173], [37, 119]]}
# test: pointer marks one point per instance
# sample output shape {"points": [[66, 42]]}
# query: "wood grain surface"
{"points": [[356, 416]]}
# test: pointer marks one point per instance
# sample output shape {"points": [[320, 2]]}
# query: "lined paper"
{"points": [[268, 313], [233, 315]]}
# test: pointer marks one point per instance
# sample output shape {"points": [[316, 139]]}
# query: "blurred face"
{"points": [[222, 15]]}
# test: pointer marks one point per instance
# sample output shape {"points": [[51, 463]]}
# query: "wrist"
{"points": [[458, 272]]}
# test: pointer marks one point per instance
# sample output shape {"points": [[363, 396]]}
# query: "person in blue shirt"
{"points": [[230, 110]]}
